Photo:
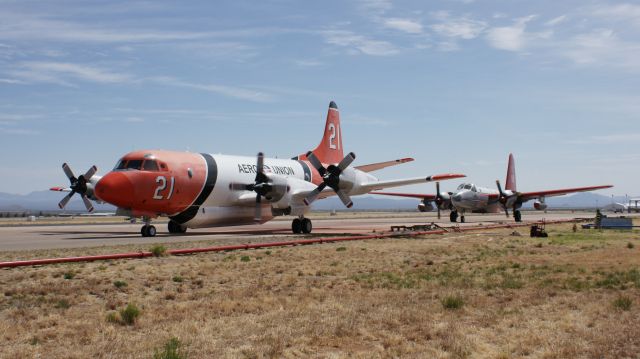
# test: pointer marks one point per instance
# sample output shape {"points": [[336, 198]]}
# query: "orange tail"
{"points": [[511, 174], [330, 148]]}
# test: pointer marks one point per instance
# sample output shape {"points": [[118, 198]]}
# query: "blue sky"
{"points": [[455, 84]]}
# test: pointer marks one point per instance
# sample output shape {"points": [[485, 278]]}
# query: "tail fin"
{"points": [[511, 174], [330, 148]]}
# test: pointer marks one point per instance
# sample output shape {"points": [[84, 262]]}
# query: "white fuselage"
{"points": [[469, 197], [225, 207]]}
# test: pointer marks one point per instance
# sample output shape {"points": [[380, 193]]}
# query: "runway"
{"points": [[38, 237]]}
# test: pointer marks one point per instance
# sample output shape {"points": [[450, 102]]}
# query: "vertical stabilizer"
{"points": [[330, 148], [511, 174]]}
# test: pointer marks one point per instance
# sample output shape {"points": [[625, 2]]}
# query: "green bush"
{"points": [[341, 249], [112, 317], [452, 302], [622, 303], [68, 275], [245, 258], [62, 304], [630, 245], [177, 279], [159, 251], [171, 350], [130, 314], [120, 283]]}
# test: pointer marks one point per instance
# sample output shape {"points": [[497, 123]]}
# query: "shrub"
{"points": [[622, 303], [452, 302], [159, 250], [112, 317], [177, 279], [267, 253], [130, 314], [68, 275], [341, 249], [62, 304], [245, 258], [630, 245], [171, 350], [120, 283]]}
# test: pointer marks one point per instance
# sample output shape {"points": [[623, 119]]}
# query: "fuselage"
{"points": [[201, 190], [469, 197]]}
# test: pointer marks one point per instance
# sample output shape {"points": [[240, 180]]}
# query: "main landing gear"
{"points": [[148, 230], [453, 217], [301, 225], [176, 228], [517, 215]]}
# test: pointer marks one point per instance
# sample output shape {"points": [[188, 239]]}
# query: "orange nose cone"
{"points": [[116, 188]]}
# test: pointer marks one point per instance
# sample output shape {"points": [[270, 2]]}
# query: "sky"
{"points": [[455, 84]]}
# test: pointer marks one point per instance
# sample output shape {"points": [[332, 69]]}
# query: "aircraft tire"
{"points": [[453, 216], [306, 225], [461, 219], [151, 231], [296, 226], [176, 228], [517, 215]]}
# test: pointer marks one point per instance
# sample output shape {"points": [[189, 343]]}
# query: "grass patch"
{"points": [[158, 250], [171, 350], [630, 245], [341, 249], [63, 304], [130, 314], [622, 303], [68, 275], [245, 258], [177, 279], [452, 302], [120, 284]]}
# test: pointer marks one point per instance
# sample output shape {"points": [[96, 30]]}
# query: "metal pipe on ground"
{"points": [[35, 262]]}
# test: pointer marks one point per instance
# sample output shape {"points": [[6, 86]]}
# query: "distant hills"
{"points": [[48, 201]]}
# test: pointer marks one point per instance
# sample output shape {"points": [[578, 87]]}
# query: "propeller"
{"points": [[439, 199], [261, 186], [503, 198], [330, 178], [78, 185]]}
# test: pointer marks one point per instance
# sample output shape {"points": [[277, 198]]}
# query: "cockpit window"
{"points": [[134, 164], [122, 164], [467, 186], [460, 186], [150, 165]]}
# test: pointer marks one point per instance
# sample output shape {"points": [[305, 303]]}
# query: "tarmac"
{"points": [[38, 237]]}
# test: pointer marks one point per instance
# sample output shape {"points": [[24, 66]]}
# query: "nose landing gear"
{"points": [[148, 230], [301, 225]]}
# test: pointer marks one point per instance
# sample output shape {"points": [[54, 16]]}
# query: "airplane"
{"points": [[198, 190], [474, 199]]}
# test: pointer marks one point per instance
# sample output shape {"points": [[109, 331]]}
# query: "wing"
{"points": [[428, 197], [378, 185], [526, 196], [380, 165]]}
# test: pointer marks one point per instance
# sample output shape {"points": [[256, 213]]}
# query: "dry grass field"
{"points": [[491, 294]]}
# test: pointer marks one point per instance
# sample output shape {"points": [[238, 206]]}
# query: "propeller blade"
{"points": [[314, 194], [90, 173], [258, 213], [240, 186], [260, 162], [87, 203], [499, 187], [506, 211], [503, 198], [346, 161], [65, 200], [67, 171], [315, 162], [345, 199]]}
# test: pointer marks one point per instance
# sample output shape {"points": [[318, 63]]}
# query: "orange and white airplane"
{"points": [[469, 197], [197, 190]]}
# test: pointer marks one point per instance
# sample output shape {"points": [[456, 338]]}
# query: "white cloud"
{"points": [[229, 91], [602, 48], [511, 38], [59, 72], [359, 43], [375, 7], [405, 25], [617, 12], [458, 27], [556, 20]]}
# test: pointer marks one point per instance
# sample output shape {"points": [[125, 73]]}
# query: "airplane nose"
{"points": [[457, 198], [116, 188]]}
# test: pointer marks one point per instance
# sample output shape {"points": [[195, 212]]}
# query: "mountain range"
{"points": [[48, 201]]}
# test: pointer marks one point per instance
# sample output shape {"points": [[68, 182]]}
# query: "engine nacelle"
{"points": [[540, 206], [278, 187], [425, 207]]}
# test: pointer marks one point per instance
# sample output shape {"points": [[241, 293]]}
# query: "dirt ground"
{"points": [[490, 294]]}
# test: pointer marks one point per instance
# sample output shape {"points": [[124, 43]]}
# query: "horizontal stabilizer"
{"points": [[376, 186], [380, 165]]}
